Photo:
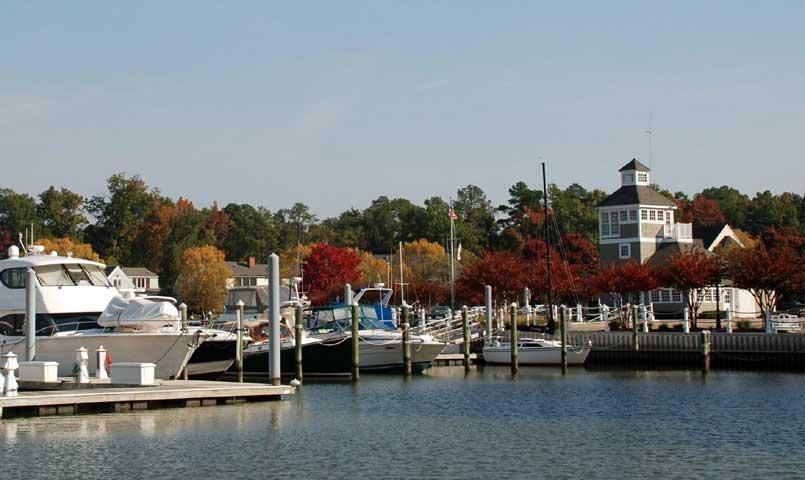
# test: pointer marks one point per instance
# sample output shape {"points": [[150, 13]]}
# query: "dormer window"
{"points": [[642, 177]]}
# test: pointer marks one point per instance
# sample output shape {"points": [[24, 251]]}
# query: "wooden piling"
{"points": [[239, 346], [563, 325], [515, 358], [406, 340], [705, 347], [356, 347], [466, 345], [298, 333], [635, 341], [185, 325]]}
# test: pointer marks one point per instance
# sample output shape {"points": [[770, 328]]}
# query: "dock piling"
{"points": [[30, 315], [635, 341], [488, 311], [298, 333], [466, 345], [563, 326], [356, 348], [406, 340], [515, 354], [729, 319], [686, 320], [239, 346], [81, 361], [185, 325], [705, 347], [644, 317], [100, 357], [274, 368]]}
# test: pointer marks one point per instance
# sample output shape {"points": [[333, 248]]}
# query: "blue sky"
{"points": [[337, 103]]}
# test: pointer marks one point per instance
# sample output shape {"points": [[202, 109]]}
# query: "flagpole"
{"points": [[452, 265]]}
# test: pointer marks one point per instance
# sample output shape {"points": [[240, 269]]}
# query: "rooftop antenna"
{"points": [[650, 133]]}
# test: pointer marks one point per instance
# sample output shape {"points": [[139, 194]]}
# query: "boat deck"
{"points": [[110, 399]]}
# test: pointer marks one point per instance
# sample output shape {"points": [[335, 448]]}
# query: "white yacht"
{"points": [[71, 294], [535, 351]]}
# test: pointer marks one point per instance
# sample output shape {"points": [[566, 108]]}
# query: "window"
{"points": [[614, 226], [624, 250], [652, 215], [77, 274], [623, 214], [604, 223], [655, 296], [666, 295], [668, 217], [633, 215], [660, 214], [13, 277], [676, 296], [53, 276], [642, 177], [96, 275], [644, 214], [727, 296], [628, 179]]}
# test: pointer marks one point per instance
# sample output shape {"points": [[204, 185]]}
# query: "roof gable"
{"points": [[635, 165]]}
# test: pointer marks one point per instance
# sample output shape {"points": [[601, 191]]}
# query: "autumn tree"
{"points": [[68, 246], [328, 269], [293, 259], [202, 279], [373, 269], [766, 274], [623, 282], [702, 211], [691, 272], [502, 270], [62, 212]]}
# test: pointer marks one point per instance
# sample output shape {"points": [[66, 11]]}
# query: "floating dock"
{"points": [[110, 399]]}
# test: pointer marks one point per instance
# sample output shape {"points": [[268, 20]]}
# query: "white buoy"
{"points": [[10, 364], [101, 355], [81, 360]]}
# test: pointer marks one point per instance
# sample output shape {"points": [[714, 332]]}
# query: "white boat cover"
{"points": [[140, 314]]}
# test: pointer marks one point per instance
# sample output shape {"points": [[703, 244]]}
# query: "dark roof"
{"points": [[110, 269], [634, 194], [138, 272], [668, 250], [708, 233], [241, 269], [635, 165]]}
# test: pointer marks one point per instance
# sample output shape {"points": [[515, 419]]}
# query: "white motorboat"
{"points": [[535, 351], [71, 293]]}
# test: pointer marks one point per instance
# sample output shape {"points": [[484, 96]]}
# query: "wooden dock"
{"points": [[449, 359], [168, 394]]}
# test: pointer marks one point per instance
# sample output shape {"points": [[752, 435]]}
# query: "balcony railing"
{"points": [[677, 232]]}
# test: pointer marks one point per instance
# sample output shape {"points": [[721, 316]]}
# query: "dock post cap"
{"points": [[240, 303]]}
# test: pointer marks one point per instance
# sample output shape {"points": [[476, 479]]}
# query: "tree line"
{"points": [[134, 224]]}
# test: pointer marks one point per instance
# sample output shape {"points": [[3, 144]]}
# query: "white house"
{"points": [[133, 281], [247, 274]]}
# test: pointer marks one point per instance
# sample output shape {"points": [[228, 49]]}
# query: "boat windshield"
{"points": [[70, 274], [332, 319]]}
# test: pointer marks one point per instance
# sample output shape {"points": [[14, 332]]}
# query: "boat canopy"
{"points": [[255, 299], [340, 319], [140, 314]]}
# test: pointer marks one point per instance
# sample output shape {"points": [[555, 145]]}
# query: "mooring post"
{"points": [[298, 333], [488, 312], [729, 318], [644, 317], [465, 321], [239, 346], [356, 338], [563, 326], [635, 341], [686, 320], [10, 363], [767, 320], [100, 360], [515, 359], [274, 368], [406, 340], [347, 294], [30, 315], [81, 361], [705, 346], [185, 325]]}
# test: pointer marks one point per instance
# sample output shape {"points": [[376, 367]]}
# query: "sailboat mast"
{"points": [[551, 327], [452, 264]]}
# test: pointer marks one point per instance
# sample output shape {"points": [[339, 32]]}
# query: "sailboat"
{"points": [[539, 351]]}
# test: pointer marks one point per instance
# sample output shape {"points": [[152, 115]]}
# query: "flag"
{"points": [[451, 213], [458, 252]]}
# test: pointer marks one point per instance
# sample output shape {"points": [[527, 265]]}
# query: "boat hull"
{"points": [[501, 355], [169, 352]]}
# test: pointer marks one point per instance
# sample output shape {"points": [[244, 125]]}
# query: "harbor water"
{"points": [[443, 424]]}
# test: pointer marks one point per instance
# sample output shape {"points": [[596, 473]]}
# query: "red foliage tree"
{"points": [[703, 211], [690, 272], [217, 225], [504, 271], [623, 281], [431, 293], [327, 269], [768, 274]]}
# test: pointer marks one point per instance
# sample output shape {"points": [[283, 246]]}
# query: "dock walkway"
{"points": [[168, 394]]}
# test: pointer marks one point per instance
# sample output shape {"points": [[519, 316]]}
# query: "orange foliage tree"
{"points": [[202, 279], [65, 246]]}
